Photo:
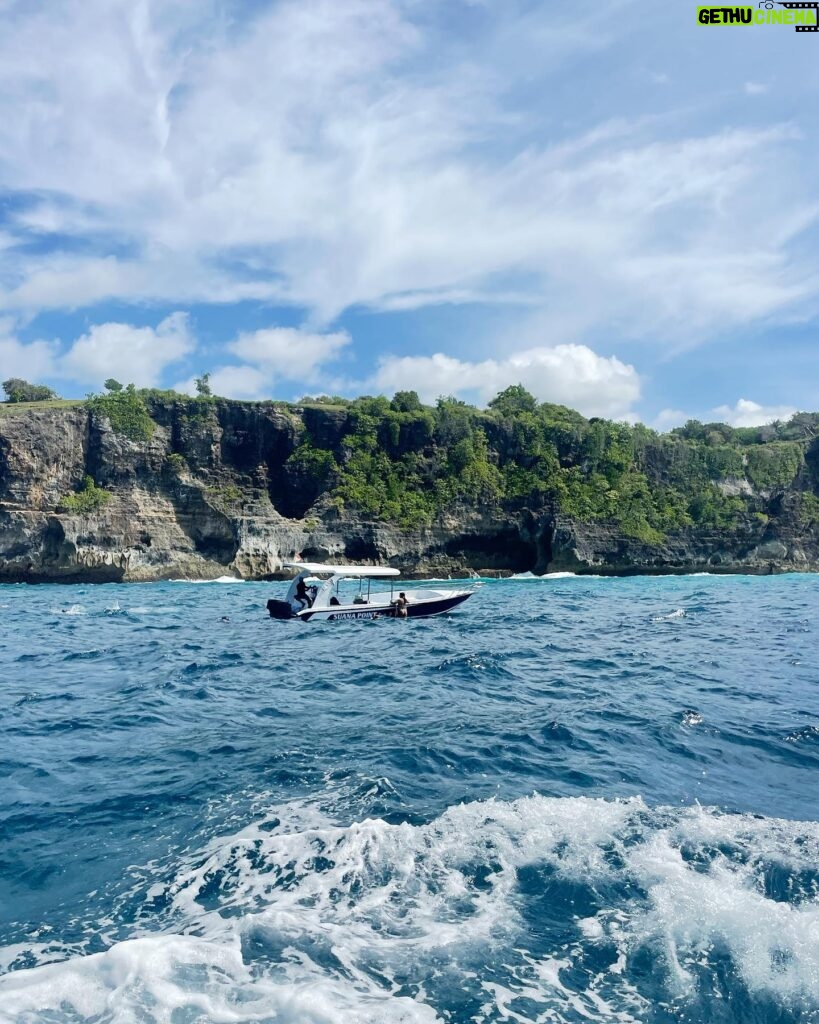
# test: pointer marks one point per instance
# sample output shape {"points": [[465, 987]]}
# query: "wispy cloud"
{"points": [[317, 154]]}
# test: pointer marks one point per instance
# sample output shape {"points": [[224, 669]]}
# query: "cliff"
{"points": [[224, 487]]}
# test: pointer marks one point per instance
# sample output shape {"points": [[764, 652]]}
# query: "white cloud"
{"points": [[751, 414], [232, 382], [142, 354], [130, 354], [666, 419], [572, 375], [331, 154], [755, 88], [269, 356], [32, 361], [289, 353], [744, 413]]}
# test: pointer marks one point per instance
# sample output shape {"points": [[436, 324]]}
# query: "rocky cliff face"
{"points": [[211, 494]]}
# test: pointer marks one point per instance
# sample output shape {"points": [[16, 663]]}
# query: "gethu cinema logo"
{"points": [[802, 15]]}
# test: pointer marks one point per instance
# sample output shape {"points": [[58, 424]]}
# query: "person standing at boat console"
{"points": [[302, 595]]}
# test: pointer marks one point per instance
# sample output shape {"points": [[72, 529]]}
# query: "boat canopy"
{"points": [[343, 570]]}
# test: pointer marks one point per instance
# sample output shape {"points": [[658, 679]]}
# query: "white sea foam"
{"points": [[72, 609], [546, 576], [299, 918], [219, 579], [678, 613]]}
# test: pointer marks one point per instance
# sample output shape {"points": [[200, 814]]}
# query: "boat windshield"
{"points": [[359, 589]]}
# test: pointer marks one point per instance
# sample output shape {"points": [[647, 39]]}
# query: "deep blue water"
{"points": [[569, 800]]}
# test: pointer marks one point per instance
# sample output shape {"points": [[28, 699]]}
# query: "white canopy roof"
{"points": [[343, 570]]}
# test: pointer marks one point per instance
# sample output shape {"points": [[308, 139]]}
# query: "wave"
{"points": [[538, 908], [72, 609], [219, 579], [545, 576], [678, 613]]}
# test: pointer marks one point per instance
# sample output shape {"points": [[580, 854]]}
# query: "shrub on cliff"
{"points": [[176, 463], [807, 512], [126, 411], [88, 498], [774, 465]]}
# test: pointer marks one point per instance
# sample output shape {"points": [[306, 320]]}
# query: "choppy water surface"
{"points": [[570, 800]]}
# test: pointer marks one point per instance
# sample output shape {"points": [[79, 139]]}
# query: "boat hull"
{"points": [[434, 604], [416, 610]]}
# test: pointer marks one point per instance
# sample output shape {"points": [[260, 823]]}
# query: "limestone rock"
{"points": [[206, 497]]}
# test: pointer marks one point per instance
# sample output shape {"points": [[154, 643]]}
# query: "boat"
{"points": [[322, 596]]}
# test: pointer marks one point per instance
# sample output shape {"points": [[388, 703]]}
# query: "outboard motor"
{"points": [[280, 609]]}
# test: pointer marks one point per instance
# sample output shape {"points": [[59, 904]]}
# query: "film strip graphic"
{"points": [[814, 6]]}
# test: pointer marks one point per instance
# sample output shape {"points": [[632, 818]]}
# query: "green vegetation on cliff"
{"points": [[409, 463], [403, 462], [88, 498], [126, 410]]}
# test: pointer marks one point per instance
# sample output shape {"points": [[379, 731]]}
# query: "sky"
{"points": [[603, 201]]}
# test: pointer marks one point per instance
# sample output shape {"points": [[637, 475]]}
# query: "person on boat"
{"points": [[302, 595], [401, 605]]}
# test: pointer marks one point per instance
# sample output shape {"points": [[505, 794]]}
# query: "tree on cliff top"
{"points": [[406, 401], [513, 400], [18, 390]]}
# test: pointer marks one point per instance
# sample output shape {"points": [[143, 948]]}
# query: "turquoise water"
{"points": [[572, 799]]}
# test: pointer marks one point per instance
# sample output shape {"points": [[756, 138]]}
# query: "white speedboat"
{"points": [[325, 592]]}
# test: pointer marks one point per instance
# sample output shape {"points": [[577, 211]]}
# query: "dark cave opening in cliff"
{"points": [[506, 550]]}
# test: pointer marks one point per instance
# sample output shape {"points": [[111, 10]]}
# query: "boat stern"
{"points": [[280, 609]]}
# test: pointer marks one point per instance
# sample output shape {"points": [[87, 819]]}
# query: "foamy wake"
{"points": [[538, 909]]}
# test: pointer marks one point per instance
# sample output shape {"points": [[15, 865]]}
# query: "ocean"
{"points": [[572, 799]]}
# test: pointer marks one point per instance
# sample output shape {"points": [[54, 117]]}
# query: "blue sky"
{"points": [[604, 201]]}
